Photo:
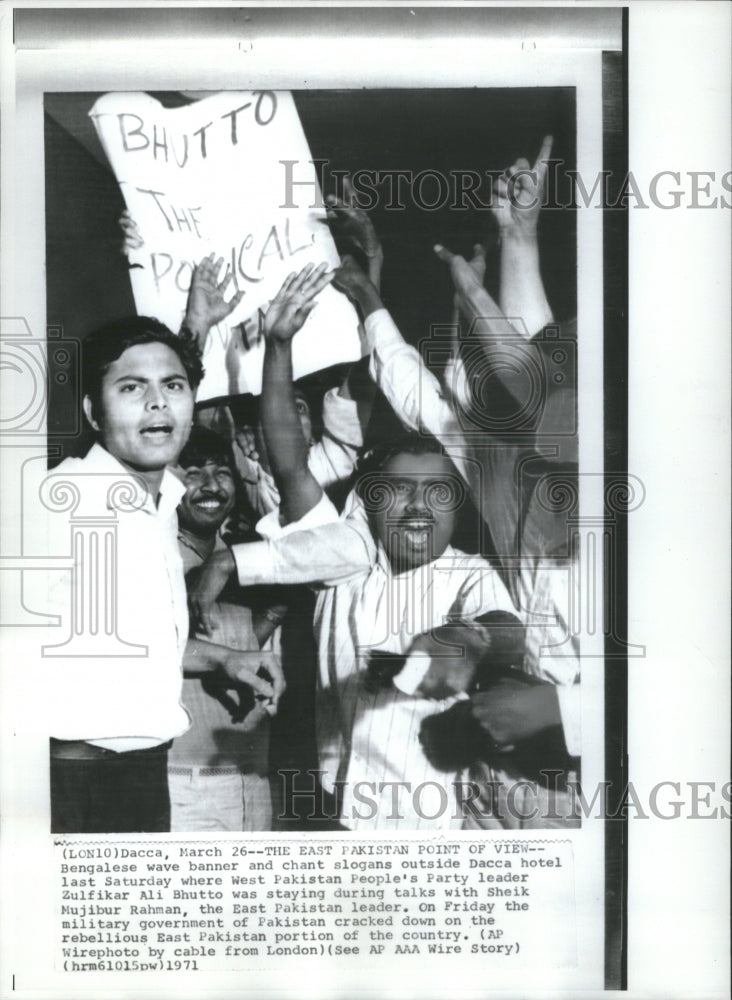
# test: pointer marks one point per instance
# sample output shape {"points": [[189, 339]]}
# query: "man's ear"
{"points": [[89, 412]]}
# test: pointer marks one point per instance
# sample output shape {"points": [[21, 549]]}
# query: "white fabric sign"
{"points": [[210, 177]]}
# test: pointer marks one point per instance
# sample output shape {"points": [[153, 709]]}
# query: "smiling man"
{"points": [[417, 523], [217, 771], [115, 715]]}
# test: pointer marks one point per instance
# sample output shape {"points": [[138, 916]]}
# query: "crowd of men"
{"points": [[319, 651]]}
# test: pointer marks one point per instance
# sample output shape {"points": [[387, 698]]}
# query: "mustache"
{"points": [[221, 497]]}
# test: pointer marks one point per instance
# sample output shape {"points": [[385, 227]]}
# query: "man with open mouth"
{"points": [[116, 712]]}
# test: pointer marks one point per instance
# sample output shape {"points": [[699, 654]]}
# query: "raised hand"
{"points": [[467, 276], [518, 194], [351, 222], [206, 304], [350, 277], [131, 237], [294, 302]]}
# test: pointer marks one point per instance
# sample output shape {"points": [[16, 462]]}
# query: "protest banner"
{"points": [[211, 177]]}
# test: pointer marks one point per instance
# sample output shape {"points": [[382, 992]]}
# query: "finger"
{"points": [[541, 164], [348, 193], [502, 187], [274, 668], [257, 684], [314, 282], [301, 278], [235, 300], [521, 164], [334, 203], [284, 289], [221, 285], [309, 301], [202, 270], [443, 253], [201, 620]]}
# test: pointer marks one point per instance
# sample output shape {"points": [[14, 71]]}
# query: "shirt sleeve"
{"points": [[330, 554], [412, 390], [324, 512]]}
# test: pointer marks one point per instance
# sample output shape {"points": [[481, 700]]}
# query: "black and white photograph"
{"points": [[319, 334]]}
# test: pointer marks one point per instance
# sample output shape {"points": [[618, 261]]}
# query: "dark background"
{"points": [[440, 130]]}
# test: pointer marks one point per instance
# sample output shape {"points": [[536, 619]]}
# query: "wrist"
{"points": [[521, 236], [276, 347], [195, 323], [368, 299]]}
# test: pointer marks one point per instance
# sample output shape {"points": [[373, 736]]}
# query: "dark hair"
{"points": [[108, 343], [373, 489], [407, 443], [205, 445], [370, 484]]}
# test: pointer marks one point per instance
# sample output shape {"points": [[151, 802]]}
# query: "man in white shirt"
{"points": [[389, 575], [535, 564], [116, 714]]}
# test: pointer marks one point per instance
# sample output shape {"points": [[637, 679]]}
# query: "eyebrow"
{"points": [[144, 378], [419, 478], [209, 461]]}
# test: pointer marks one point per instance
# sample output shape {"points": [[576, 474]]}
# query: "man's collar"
{"points": [[382, 560], [171, 488]]}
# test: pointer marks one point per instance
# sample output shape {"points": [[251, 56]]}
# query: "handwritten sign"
{"points": [[210, 177]]}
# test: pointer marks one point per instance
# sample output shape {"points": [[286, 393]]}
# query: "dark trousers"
{"points": [[108, 792]]}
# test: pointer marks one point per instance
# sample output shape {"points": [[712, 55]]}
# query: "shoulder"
{"points": [[71, 466]]}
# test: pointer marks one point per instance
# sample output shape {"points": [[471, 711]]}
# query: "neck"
{"points": [[203, 544], [151, 477]]}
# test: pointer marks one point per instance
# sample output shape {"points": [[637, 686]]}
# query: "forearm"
{"points": [[286, 445], [203, 657], [508, 355], [366, 297], [287, 448], [411, 389], [194, 330], [522, 297], [328, 555], [375, 265]]}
